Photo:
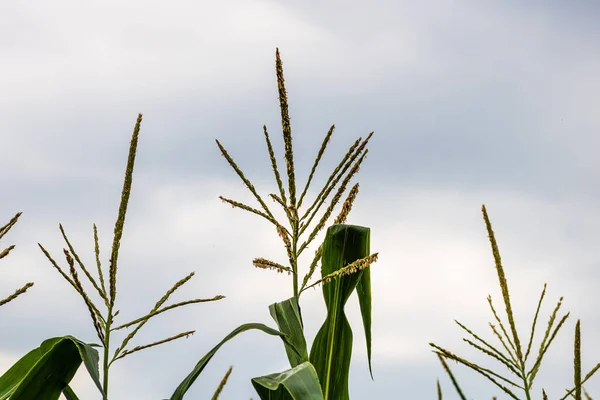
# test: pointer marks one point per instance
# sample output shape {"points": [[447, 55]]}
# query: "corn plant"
{"points": [[3, 231], [45, 372], [345, 255], [514, 359]]}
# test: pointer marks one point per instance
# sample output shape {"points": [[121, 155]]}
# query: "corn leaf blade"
{"points": [[332, 348], [10, 380], [363, 290], [298, 383], [287, 316], [45, 372], [69, 393], [191, 378]]}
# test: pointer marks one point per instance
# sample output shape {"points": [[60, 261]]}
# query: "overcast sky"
{"points": [[472, 103]]}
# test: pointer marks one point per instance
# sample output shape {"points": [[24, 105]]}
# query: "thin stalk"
{"points": [[105, 326], [105, 364], [295, 252]]}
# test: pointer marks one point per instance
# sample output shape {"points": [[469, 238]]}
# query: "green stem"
{"points": [[524, 376], [526, 387], [106, 349], [295, 266]]}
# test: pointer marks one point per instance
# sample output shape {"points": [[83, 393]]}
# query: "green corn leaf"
{"points": [[70, 394], [287, 316], [45, 372], [11, 378], [332, 348], [298, 383], [191, 378], [363, 290]]}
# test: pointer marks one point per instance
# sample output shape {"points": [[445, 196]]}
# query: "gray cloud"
{"points": [[470, 104]]}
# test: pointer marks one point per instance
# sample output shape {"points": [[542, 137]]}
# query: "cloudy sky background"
{"points": [[471, 103]]}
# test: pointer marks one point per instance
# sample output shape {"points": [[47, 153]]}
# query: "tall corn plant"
{"points": [[514, 359], [106, 326], [345, 258], [45, 372]]}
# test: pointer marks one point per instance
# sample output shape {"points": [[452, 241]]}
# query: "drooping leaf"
{"points": [[191, 378], [363, 290], [298, 383], [287, 316], [332, 348], [15, 374], [45, 372]]}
